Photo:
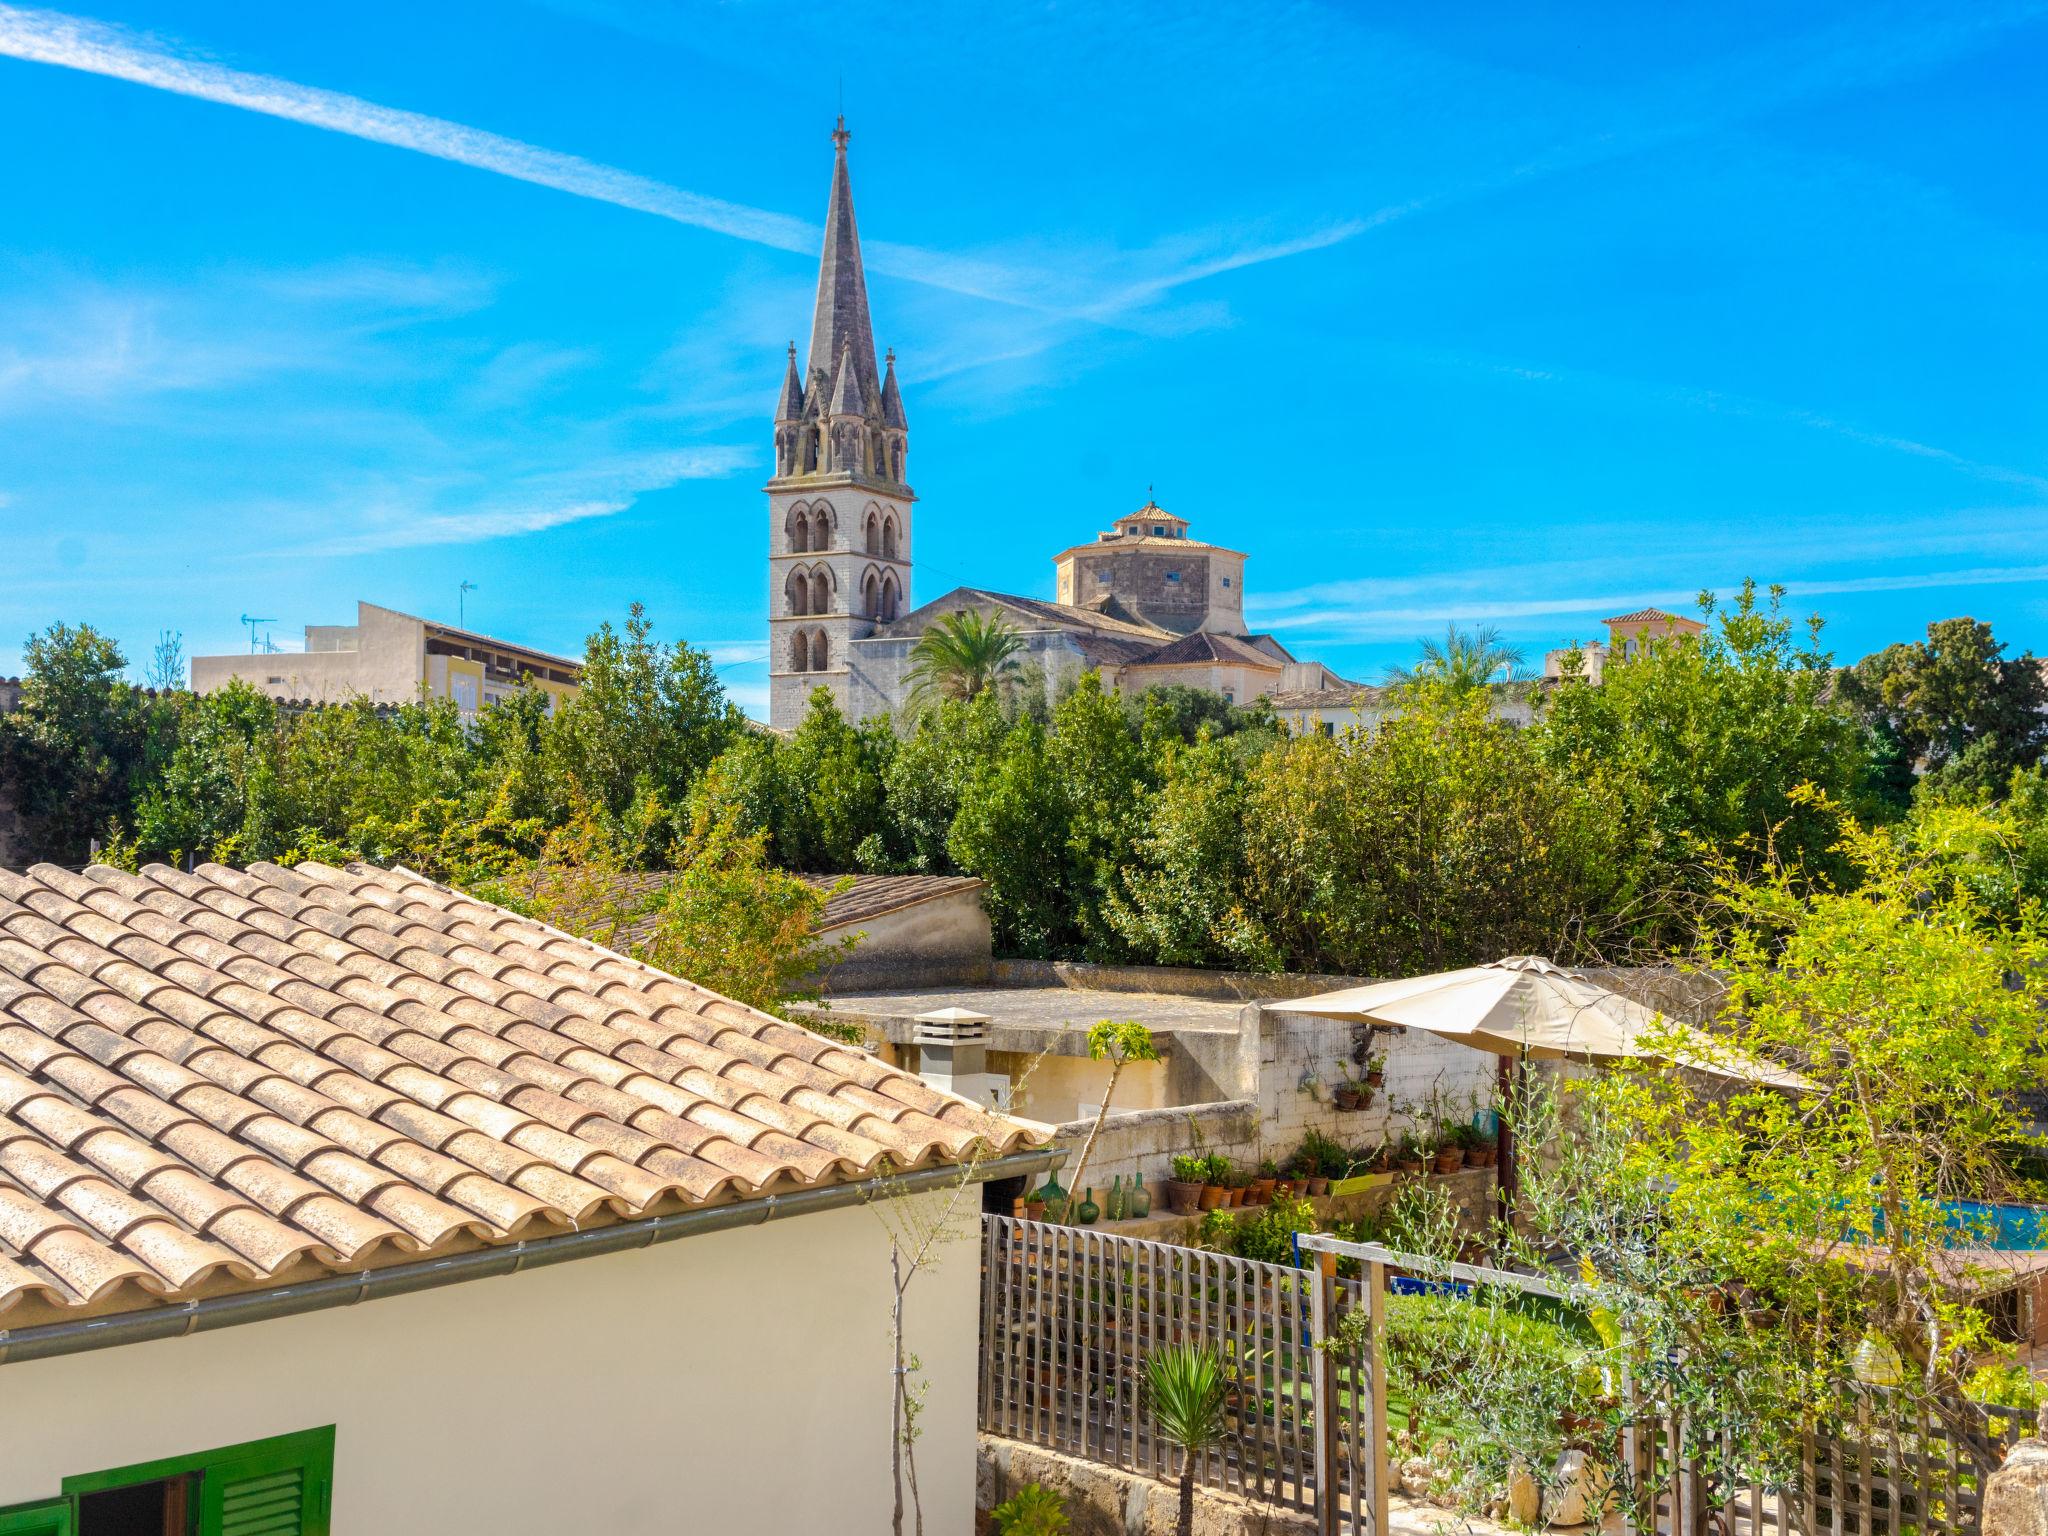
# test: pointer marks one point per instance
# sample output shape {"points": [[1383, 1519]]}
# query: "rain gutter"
{"points": [[177, 1319]]}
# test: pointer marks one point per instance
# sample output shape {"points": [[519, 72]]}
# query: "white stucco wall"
{"points": [[1419, 1067], [732, 1382]]}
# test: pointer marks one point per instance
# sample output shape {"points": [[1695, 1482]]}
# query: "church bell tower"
{"points": [[838, 507]]}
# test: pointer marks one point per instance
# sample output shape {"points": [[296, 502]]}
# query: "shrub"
{"points": [[1033, 1510]]}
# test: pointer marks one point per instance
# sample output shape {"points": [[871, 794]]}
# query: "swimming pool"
{"points": [[2008, 1228]]}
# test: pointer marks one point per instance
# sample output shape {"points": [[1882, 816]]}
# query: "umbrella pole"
{"points": [[1504, 1176]]}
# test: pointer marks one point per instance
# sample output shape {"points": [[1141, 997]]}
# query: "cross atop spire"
{"points": [[840, 135]]}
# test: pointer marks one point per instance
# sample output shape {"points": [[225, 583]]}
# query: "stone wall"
{"points": [[1103, 1501], [2015, 1496], [1144, 1141]]}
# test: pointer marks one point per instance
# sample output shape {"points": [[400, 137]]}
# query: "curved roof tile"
{"points": [[210, 1078]]}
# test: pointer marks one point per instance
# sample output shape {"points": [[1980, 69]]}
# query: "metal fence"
{"points": [[1069, 1316]]}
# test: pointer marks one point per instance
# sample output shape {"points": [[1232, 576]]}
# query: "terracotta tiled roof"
{"points": [[1341, 696], [866, 898], [209, 1080], [872, 896], [1653, 616], [1206, 645]]}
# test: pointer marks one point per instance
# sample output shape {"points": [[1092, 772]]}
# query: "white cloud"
{"points": [[1405, 609], [550, 499]]}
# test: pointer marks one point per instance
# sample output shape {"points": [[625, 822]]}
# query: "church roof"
{"points": [[1205, 645], [840, 322]]}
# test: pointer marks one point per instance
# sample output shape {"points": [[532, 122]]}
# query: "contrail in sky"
{"points": [[50, 37]]}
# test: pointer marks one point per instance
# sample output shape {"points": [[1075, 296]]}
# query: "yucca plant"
{"points": [[1189, 1391], [1033, 1510]]}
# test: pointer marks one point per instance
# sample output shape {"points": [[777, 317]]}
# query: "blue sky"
{"points": [[1493, 313]]}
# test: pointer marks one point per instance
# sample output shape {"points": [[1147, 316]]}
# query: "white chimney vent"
{"points": [[952, 1055], [950, 1026]]}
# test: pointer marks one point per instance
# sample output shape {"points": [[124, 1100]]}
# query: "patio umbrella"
{"points": [[1524, 1007], [1528, 1008]]}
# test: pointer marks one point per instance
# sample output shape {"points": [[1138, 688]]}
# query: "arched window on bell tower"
{"points": [[800, 652]]}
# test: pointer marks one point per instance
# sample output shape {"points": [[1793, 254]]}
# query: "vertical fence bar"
{"points": [[1375, 1278], [1322, 1303]]}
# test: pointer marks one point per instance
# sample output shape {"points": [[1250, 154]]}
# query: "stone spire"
{"points": [[791, 406], [848, 398], [840, 322], [892, 398]]}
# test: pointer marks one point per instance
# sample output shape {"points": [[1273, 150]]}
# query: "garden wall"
{"points": [[1145, 1141], [1298, 1069]]}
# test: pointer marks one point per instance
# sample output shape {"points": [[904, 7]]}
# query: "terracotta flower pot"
{"points": [[1262, 1190], [1450, 1159], [1183, 1197], [1213, 1196], [1034, 1210], [1377, 1078], [1410, 1164], [1232, 1195], [1319, 1186], [1284, 1190], [1482, 1157], [1347, 1098]]}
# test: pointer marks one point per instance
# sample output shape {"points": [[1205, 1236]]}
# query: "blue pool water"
{"points": [[1982, 1224]]}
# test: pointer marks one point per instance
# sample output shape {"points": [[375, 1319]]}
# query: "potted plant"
{"points": [[1214, 1168], [1346, 1094], [1266, 1181], [1375, 1065], [1410, 1156], [1483, 1151], [1184, 1189], [1450, 1152]]}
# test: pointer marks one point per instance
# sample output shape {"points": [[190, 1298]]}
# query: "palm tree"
{"points": [[964, 654], [1188, 1393], [1463, 662]]}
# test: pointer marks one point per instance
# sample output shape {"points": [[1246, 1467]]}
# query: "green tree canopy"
{"points": [[1695, 744], [1955, 706]]}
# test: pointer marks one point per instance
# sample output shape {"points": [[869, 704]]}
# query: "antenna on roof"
{"points": [[462, 602], [252, 623]]}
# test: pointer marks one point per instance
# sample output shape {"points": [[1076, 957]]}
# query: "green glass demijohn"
{"points": [[1087, 1211], [1114, 1207], [1054, 1197], [1138, 1202]]}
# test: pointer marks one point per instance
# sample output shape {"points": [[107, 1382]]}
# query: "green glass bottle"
{"points": [[1054, 1197], [1138, 1202], [1087, 1211], [1114, 1210]]}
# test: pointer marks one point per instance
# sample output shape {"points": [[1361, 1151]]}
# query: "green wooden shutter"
{"points": [[278, 1487], [52, 1518]]}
